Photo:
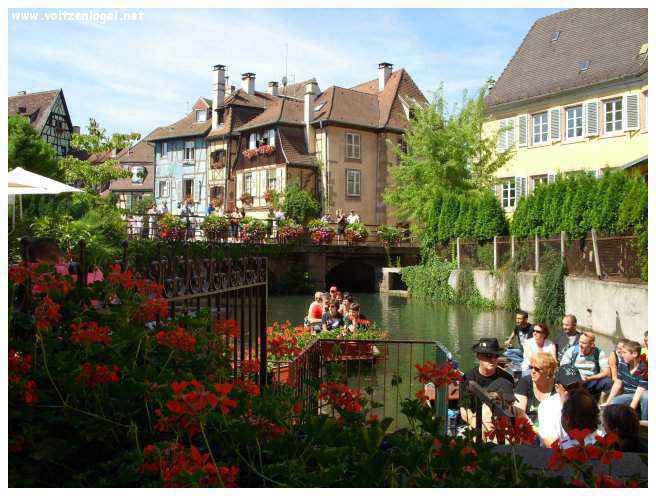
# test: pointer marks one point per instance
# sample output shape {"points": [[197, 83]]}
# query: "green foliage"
{"points": [[141, 205], [97, 140], [467, 293], [490, 218], [448, 217], [446, 152], [28, 150], [356, 232], [215, 226], [299, 205], [91, 176], [511, 295], [550, 289], [389, 235]]}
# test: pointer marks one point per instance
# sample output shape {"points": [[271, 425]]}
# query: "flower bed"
{"points": [[215, 226], [252, 230], [389, 235], [320, 232], [171, 228], [356, 232], [290, 232]]}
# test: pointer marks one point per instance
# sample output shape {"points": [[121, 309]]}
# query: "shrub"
{"points": [[490, 219], [252, 230], [299, 205], [215, 226], [389, 235], [290, 231], [171, 228], [320, 232], [356, 232], [550, 289]]}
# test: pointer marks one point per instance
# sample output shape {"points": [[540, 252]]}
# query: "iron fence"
{"points": [[384, 370], [147, 227]]}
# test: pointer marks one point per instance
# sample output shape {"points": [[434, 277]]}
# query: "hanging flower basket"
{"points": [[356, 233], [266, 150], [246, 198], [250, 153]]}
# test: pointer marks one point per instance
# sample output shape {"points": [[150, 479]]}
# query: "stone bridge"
{"points": [[354, 268]]}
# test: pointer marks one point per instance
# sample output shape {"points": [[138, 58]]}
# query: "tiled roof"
{"points": [[296, 90], [294, 148], [364, 105], [128, 185], [37, 106], [281, 111], [258, 99], [609, 38], [187, 126]]}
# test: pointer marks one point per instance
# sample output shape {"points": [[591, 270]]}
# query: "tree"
{"points": [[299, 205], [446, 152], [27, 149], [91, 176], [97, 141]]}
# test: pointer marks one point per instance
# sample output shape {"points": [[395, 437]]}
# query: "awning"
{"points": [[23, 182]]}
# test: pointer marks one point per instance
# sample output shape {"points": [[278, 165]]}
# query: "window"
{"points": [[537, 180], [189, 151], [252, 141], [540, 128], [508, 193], [352, 145], [188, 188], [271, 179], [613, 115], [352, 182], [163, 189], [216, 193], [575, 122], [219, 117], [248, 183], [138, 174], [201, 115]]}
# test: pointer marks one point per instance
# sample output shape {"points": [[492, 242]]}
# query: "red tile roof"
{"points": [[609, 38], [37, 106]]}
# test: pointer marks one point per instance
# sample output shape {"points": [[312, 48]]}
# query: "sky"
{"points": [[141, 74]]}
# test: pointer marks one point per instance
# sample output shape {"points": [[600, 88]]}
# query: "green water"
{"points": [[455, 326]]}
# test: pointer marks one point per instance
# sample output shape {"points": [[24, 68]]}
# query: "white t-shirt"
{"points": [[531, 348], [549, 418], [352, 219]]}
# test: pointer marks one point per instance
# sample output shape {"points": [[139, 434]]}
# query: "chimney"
{"points": [[21, 93], [76, 129], [248, 82], [273, 88], [218, 92], [311, 92], [384, 73]]}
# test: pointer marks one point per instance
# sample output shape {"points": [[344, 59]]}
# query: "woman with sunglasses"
{"points": [[537, 344], [533, 389]]}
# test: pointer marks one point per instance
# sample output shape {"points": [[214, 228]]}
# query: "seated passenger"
{"points": [[538, 343], [580, 411], [523, 331], [535, 388], [568, 379], [630, 388], [331, 320], [622, 421], [591, 362], [315, 313]]}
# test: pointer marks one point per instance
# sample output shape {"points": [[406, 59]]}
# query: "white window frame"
{"points": [[271, 179], [203, 114], [539, 179], [509, 193], [165, 183], [248, 183], [184, 182], [353, 182], [353, 146], [136, 169], [613, 102], [542, 126], [189, 151], [575, 127]]}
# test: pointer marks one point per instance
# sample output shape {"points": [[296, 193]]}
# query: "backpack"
{"points": [[595, 353]]}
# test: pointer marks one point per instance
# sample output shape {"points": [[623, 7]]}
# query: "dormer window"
{"points": [[201, 115]]}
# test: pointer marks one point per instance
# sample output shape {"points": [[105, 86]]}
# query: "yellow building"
{"points": [[573, 98]]}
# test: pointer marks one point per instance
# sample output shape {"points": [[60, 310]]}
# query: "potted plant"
{"points": [[250, 154], [215, 226], [356, 232], [389, 235], [252, 230], [320, 232], [284, 344], [290, 231], [271, 197], [246, 198], [171, 228], [353, 344], [265, 150]]}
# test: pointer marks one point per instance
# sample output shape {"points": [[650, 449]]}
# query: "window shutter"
{"points": [[599, 173], [510, 126], [263, 183], [280, 178], [523, 130], [591, 119], [178, 187], [272, 137], [520, 186], [554, 124], [199, 189], [251, 141], [551, 178], [502, 142], [631, 116]]}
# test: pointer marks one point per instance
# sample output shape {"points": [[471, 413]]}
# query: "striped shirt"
{"points": [[585, 363], [630, 381]]}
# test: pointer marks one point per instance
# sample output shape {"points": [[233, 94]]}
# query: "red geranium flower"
{"points": [[90, 333]]}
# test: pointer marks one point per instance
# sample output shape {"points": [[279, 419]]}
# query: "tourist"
{"points": [[538, 343], [347, 301], [211, 208], [568, 379], [235, 217], [500, 392], [569, 337], [331, 320], [487, 352], [533, 389], [355, 318], [315, 313], [615, 358], [645, 342], [152, 220], [630, 388], [591, 362], [327, 218], [523, 331], [580, 411], [623, 422], [332, 291], [341, 224], [352, 218]]}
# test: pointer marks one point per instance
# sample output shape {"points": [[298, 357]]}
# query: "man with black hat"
{"points": [[568, 379], [488, 352]]}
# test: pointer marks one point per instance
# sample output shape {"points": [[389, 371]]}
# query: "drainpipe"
{"points": [[376, 219]]}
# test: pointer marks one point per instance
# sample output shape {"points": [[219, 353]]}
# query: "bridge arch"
{"points": [[352, 275]]}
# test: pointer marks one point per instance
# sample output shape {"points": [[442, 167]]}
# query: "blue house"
{"points": [[181, 160]]}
